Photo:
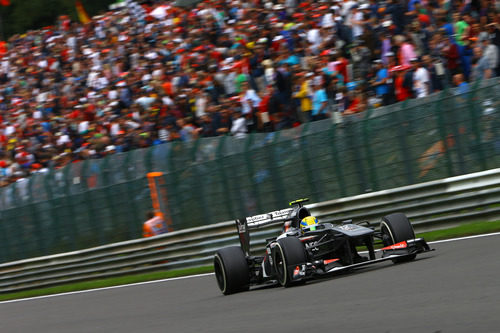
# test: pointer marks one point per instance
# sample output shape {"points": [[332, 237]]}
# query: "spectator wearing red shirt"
{"points": [[451, 55], [57, 79], [402, 93]]}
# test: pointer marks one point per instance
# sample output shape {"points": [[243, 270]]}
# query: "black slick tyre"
{"points": [[288, 253], [397, 228], [231, 270]]}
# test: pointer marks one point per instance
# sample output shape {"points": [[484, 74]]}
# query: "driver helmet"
{"points": [[309, 222]]}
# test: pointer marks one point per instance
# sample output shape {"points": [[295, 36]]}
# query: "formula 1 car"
{"points": [[301, 253]]}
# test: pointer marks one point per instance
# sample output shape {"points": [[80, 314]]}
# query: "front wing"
{"points": [[400, 250]]}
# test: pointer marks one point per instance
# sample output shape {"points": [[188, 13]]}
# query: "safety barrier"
{"points": [[431, 206]]}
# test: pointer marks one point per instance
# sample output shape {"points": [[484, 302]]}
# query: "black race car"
{"points": [[302, 253]]}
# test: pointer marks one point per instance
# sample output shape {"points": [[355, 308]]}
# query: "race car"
{"points": [[307, 249]]}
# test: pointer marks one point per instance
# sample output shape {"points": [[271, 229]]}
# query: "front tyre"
{"points": [[288, 253], [231, 270], [397, 228]]}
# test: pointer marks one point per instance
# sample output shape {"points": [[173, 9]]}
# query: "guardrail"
{"points": [[430, 206]]}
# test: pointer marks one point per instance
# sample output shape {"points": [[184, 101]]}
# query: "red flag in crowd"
{"points": [[5, 2]]}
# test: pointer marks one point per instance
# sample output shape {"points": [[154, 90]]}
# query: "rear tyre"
{"points": [[231, 270], [397, 228], [288, 253]]}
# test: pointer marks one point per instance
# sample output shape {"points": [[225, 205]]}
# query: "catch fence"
{"points": [[210, 180]]}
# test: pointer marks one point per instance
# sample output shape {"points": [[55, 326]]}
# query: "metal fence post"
{"points": [[4, 236], [73, 234], [352, 138], [306, 160], [220, 158], [176, 148], [442, 132], [251, 170], [453, 119], [368, 150], [107, 189], [336, 160], [17, 220], [36, 221], [148, 163], [89, 203], [134, 210], [53, 206], [474, 116], [402, 125], [235, 190], [198, 187], [279, 190]]}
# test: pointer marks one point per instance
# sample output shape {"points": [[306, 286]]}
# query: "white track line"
{"points": [[106, 288], [195, 276], [464, 238]]}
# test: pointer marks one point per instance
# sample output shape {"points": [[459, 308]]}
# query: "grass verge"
{"points": [[461, 231], [468, 229], [102, 283]]}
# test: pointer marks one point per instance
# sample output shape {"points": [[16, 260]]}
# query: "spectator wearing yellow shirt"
{"points": [[304, 93]]}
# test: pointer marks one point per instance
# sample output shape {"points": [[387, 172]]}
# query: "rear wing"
{"points": [[246, 224]]}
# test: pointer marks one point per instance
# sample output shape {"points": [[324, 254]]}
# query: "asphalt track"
{"points": [[454, 289]]}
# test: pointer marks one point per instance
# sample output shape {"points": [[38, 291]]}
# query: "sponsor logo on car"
{"points": [[348, 227], [269, 216], [401, 245], [329, 261]]}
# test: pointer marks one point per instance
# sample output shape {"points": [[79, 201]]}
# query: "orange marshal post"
{"points": [[159, 197]]}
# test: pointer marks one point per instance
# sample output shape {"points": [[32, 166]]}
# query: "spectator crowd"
{"points": [[146, 73]]}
